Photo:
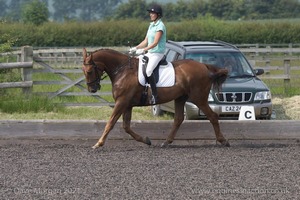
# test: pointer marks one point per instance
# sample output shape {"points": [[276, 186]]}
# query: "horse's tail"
{"points": [[218, 76]]}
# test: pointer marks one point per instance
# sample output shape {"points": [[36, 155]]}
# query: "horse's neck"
{"points": [[115, 62], [110, 58]]}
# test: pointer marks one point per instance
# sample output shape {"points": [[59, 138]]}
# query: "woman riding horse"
{"points": [[154, 44], [193, 81]]}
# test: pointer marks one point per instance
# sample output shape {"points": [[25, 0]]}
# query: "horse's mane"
{"points": [[107, 49]]}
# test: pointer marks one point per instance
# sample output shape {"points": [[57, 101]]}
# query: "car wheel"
{"points": [[156, 110], [186, 116]]}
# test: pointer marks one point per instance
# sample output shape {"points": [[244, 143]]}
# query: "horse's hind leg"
{"points": [[178, 119], [213, 118], [126, 125]]}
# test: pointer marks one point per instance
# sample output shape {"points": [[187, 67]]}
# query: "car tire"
{"points": [[186, 116], [156, 110]]}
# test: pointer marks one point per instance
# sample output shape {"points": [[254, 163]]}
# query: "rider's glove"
{"points": [[140, 51], [132, 50]]}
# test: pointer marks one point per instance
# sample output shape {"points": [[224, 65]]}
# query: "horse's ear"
{"points": [[84, 54]]}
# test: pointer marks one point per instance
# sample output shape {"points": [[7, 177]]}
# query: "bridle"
{"points": [[102, 72], [98, 78]]}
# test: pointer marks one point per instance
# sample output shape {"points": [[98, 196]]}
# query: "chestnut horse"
{"points": [[193, 81]]}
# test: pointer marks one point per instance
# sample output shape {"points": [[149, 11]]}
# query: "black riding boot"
{"points": [[152, 82]]}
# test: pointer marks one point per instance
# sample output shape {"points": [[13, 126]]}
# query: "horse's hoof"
{"points": [[225, 143], [96, 146], [147, 141], [165, 144]]}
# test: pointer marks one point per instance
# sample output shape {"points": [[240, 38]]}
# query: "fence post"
{"points": [[290, 49], [27, 56], [267, 71], [287, 70], [257, 46]]}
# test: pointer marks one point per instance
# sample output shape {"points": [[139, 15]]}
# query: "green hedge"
{"points": [[118, 33]]}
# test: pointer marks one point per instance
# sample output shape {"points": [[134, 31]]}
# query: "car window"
{"points": [[171, 55], [180, 57], [235, 62]]}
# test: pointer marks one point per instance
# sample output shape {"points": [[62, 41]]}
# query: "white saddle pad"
{"points": [[166, 75]]}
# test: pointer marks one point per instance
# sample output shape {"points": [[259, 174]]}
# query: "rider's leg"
{"points": [[154, 59], [152, 82]]}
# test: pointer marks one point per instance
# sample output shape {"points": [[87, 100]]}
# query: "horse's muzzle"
{"points": [[94, 88]]}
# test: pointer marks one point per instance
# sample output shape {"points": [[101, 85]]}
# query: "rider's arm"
{"points": [[157, 37], [143, 44]]}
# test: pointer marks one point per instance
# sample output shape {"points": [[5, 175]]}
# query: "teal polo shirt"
{"points": [[153, 28]]}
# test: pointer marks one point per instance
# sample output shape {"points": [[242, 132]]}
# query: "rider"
{"points": [[153, 45]]}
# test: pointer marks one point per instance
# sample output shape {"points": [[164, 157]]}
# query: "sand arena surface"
{"points": [[125, 169]]}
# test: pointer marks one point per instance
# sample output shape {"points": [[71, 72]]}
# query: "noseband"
{"points": [[98, 78]]}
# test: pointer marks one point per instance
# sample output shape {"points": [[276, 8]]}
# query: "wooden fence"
{"points": [[43, 61], [26, 66], [41, 65]]}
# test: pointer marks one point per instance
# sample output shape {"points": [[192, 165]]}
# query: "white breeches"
{"points": [[154, 59]]}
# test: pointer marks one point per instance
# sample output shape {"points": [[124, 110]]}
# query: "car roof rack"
{"points": [[225, 43], [218, 42], [175, 43]]}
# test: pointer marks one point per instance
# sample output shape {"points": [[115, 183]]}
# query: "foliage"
{"points": [[132, 9], [6, 41], [118, 33], [35, 12], [87, 10], [226, 10], [179, 10]]}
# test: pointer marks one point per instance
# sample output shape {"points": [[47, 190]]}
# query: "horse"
{"points": [[193, 81]]}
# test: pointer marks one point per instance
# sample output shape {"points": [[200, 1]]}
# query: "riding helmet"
{"points": [[156, 9]]}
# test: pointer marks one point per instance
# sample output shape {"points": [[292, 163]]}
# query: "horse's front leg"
{"points": [[117, 111], [126, 125]]}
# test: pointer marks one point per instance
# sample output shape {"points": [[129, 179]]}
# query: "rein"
{"points": [[118, 68]]}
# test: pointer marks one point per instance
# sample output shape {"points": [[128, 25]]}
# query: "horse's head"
{"points": [[92, 72]]}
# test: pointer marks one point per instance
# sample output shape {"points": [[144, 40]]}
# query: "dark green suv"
{"points": [[242, 87]]}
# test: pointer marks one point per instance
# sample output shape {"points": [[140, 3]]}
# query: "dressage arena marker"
{"points": [[247, 113]]}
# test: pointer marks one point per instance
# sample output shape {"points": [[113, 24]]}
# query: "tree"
{"points": [[86, 10], [286, 9], [95, 10], [133, 9], [35, 12], [3, 8], [14, 8], [64, 10], [220, 8]]}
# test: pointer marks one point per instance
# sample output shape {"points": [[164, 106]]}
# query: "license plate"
{"points": [[231, 108]]}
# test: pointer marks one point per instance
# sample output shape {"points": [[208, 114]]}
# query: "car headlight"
{"points": [[265, 95], [210, 98]]}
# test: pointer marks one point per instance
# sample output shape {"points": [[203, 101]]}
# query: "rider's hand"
{"points": [[132, 50], [140, 51]]}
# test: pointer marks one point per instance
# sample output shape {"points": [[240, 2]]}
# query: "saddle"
{"points": [[145, 60]]}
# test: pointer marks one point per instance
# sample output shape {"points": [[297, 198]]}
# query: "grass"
{"points": [[23, 104], [81, 113]]}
